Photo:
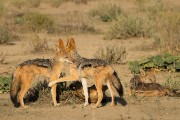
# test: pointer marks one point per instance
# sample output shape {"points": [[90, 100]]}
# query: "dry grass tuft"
{"points": [[112, 54], [106, 12], [37, 44]]}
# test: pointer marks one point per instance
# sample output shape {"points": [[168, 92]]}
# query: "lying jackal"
{"points": [[84, 69], [139, 88], [25, 73], [93, 95]]}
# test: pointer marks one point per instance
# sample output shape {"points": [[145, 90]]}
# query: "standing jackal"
{"points": [[25, 73], [83, 69]]}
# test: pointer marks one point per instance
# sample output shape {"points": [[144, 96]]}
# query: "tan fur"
{"points": [[93, 95], [139, 88], [24, 77], [148, 76], [99, 74]]}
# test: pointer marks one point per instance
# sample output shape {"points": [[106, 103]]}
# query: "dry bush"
{"points": [[165, 24], [112, 54], [79, 1], [34, 3], [152, 6], [18, 3], [167, 32], [172, 83], [38, 44], [56, 3], [1, 8], [5, 35], [106, 12], [74, 24], [129, 26], [2, 57], [35, 22]]}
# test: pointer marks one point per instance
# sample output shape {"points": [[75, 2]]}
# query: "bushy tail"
{"points": [[117, 84], [14, 89]]}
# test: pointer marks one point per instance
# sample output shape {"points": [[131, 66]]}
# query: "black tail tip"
{"points": [[15, 102], [121, 92]]}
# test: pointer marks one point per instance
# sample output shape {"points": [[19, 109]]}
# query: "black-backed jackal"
{"points": [[139, 88], [83, 69], [25, 73]]}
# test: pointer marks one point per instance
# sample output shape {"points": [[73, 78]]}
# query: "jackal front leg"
{"points": [[64, 79], [85, 90]]}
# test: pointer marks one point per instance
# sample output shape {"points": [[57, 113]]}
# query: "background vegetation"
{"points": [[162, 62]]}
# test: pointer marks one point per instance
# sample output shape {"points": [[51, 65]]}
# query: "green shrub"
{"points": [[5, 84], [112, 54], [165, 61], [128, 26], [106, 12]]}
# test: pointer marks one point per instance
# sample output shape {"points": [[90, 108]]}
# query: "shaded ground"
{"points": [[163, 108]]}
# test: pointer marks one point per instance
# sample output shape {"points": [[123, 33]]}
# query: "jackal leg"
{"points": [[64, 79], [23, 91], [99, 83], [53, 93], [85, 89], [109, 85]]}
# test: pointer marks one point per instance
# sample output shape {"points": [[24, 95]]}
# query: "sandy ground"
{"points": [[152, 108]]}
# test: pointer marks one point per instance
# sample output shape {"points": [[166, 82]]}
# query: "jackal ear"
{"points": [[71, 44], [61, 43], [142, 72]]}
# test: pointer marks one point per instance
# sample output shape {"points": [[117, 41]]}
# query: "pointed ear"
{"points": [[61, 43], [142, 72], [71, 44]]}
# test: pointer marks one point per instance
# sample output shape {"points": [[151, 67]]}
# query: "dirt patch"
{"points": [[71, 108]]}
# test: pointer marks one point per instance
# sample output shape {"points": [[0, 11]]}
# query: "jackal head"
{"points": [[62, 53], [134, 82]]}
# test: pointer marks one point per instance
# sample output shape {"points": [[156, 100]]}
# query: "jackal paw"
{"points": [[94, 106], [25, 106], [57, 105], [112, 104], [86, 104], [51, 84]]}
